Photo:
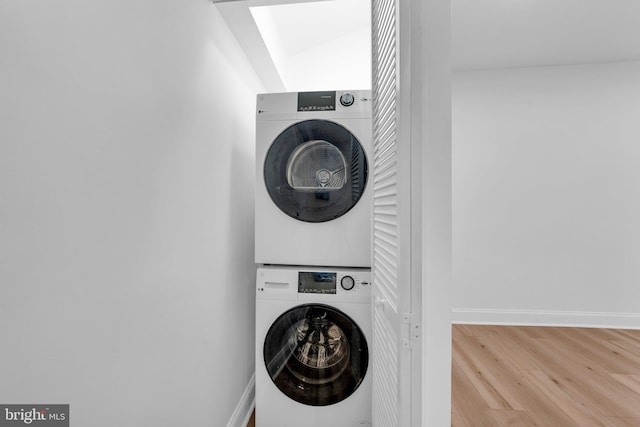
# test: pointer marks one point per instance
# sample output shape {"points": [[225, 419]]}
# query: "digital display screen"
{"points": [[316, 283], [317, 101]]}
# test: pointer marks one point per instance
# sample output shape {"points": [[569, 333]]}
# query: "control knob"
{"points": [[347, 99], [347, 283]]}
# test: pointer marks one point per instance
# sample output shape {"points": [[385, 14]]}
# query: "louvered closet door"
{"points": [[391, 219]]}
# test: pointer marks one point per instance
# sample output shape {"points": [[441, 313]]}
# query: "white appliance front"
{"points": [[313, 337], [313, 201]]}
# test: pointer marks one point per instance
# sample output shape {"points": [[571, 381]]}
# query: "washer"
{"points": [[313, 196], [313, 347]]}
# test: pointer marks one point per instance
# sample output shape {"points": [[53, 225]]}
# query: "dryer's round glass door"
{"points": [[316, 354], [315, 171]]}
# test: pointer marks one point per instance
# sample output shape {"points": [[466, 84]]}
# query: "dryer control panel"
{"points": [[329, 104], [332, 100], [317, 101]]}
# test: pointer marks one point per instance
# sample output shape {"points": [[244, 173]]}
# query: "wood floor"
{"points": [[252, 420], [543, 376]]}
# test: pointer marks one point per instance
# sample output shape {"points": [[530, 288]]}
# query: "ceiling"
{"points": [[306, 45]]}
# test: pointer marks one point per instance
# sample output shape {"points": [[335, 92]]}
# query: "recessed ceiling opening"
{"points": [[324, 45]]}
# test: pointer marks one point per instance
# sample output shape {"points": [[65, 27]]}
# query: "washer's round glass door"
{"points": [[315, 171], [316, 355]]}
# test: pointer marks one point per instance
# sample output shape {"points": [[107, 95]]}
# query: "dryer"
{"points": [[313, 338], [313, 195]]}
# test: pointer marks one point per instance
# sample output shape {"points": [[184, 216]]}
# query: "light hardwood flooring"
{"points": [[545, 376], [252, 420]]}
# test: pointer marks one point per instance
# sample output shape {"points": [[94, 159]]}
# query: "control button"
{"points": [[347, 283], [347, 99]]}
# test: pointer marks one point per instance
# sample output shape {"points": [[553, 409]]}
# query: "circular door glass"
{"points": [[316, 355], [315, 171]]}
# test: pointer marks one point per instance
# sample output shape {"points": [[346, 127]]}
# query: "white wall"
{"points": [[546, 195], [126, 211]]}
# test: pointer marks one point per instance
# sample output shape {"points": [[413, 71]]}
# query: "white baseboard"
{"points": [[244, 408], [546, 318]]}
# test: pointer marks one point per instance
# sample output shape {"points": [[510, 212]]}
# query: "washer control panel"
{"points": [[314, 283], [326, 282]]}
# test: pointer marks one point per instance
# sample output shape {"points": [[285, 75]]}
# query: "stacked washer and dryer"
{"points": [[313, 247]]}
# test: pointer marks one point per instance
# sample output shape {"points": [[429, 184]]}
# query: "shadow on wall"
{"points": [[127, 210]]}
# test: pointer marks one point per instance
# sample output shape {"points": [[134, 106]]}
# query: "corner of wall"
{"points": [[244, 408]]}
